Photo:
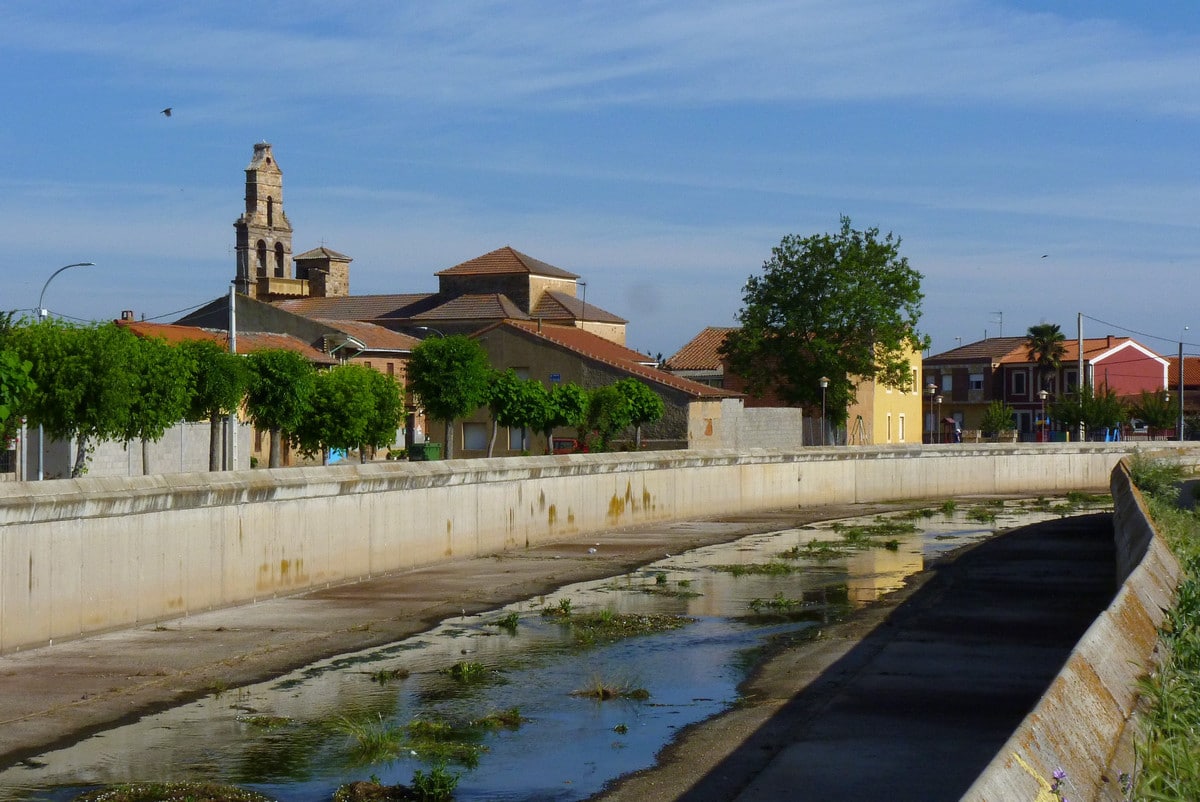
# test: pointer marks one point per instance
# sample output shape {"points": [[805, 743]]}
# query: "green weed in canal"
{"points": [[509, 623], [467, 671], [437, 785], [603, 691], [173, 792], [606, 626], [387, 675], [762, 569], [948, 507], [777, 602]]}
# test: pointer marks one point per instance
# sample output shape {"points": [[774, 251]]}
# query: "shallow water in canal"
{"points": [[302, 735]]}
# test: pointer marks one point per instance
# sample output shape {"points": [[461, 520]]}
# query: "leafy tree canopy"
{"points": [[844, 306], [220, 380], [450, 375], [1156, 410], [645, 405], [279, 394], [608, 412], [1094, 409], [998, 418], [15, 384]]}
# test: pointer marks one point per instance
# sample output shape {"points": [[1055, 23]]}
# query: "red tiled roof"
{"points": [[354, 307], [325, 253], [490, 306], [247, 341], [1015, 350], [504, 261], [555, 305], [598, 349], [701, 352], [1191, 371], [376, 338]]}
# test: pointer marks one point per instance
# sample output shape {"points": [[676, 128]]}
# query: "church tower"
{"points": [[264, 235]]}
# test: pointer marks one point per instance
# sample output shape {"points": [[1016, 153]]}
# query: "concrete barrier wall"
{"points": [[87, 555], [1077, 725]]}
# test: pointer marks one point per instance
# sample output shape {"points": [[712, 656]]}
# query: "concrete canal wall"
{"points": [[94, 554], [1078, 724]]}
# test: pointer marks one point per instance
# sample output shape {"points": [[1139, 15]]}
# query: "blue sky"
{"points": [[1038, 160]]}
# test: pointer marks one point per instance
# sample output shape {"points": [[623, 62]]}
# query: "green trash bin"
{"points": [[416, 452], [433, 450]]}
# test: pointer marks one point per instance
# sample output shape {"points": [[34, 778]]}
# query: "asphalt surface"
{"points": [[907, 700]]}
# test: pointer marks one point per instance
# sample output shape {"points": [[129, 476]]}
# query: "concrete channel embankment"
{"points": [[84, 556], [1079, 725]]}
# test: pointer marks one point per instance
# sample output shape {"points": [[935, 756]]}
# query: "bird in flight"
{"points": [[166, 112]]}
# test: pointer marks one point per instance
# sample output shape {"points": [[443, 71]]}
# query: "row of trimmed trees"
{"points": [[452, 377], [1093, 410], [94, 383]]}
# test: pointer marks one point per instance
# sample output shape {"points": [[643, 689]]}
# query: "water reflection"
{"points": [[287, 737]]}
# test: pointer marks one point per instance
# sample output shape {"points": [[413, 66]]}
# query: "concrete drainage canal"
{"points": [[548, 699]]}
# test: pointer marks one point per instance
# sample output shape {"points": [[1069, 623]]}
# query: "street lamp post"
{"points": [[938, 422], [930, 389], [430, 329], [1042, 395], [42, 314], [824, 382], [1179, 429]]}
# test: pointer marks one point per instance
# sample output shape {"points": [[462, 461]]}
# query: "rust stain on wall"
{"points": [[553, 516], [616, 508], [541, 499], [449, 552], [175, 603]]}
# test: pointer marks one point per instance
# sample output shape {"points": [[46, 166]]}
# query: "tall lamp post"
{"points": [[938, 423], [930, 389], [1179, 429], [42, 314], [1042, 395], [824, 382]]}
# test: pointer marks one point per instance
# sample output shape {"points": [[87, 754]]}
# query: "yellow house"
{"points": [[885, 415]]}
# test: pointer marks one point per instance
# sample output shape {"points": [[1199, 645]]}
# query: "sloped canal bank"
{"points": [[352, 717]]}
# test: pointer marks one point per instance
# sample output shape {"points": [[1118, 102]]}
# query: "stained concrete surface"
{"points": [[909, 699], [913, 698]]}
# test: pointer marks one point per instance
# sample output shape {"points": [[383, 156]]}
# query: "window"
{"points": [[1019, 387], [916, 383], [976, 381], [518, 439], [1070, 380], [475, 436], [889, 428], [279, 266], [899, 431], [261, 252], [391, 368], [947, 382]]}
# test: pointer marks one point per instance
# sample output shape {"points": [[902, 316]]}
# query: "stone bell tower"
{"points": [[264, 235]]}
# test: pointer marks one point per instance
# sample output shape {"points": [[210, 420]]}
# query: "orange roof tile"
{"points": [[355, 307], [247, 341], [503, 261], [701, 352], [598, 349], [489, 306], [1191, 371], [555, 305]]}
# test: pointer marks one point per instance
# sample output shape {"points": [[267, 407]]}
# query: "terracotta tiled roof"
{"points": [[504, 261], [1015, 350], [376, 338], [491, 306], [1191, 371], [561, 306], [700, 353], [356, 307], [598, 349], [247, 341], [993, 349], [325, 253]]}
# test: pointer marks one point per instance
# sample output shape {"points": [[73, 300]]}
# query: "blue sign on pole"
{"points": [[555, 378]]}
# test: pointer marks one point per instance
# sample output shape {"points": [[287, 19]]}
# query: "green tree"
{"points": [[162, 394], [219, 385], [1093, 409], [998, 419], [86, 380], [342, 401], [608, 412], [279, 395], [645, 405], [1155, 409], [514, 402], [563, 405], [450, 375], [386, 413], [15, 386], [1045, 345], [844, 305]]}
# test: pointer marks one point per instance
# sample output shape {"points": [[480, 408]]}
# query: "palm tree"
{"points": [[1045, 347]]}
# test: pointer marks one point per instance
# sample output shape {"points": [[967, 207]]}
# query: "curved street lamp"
{"points": [[42, 314]]}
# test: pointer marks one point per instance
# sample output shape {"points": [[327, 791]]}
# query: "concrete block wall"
{"points": [[1078, 723], [97, 553]]}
